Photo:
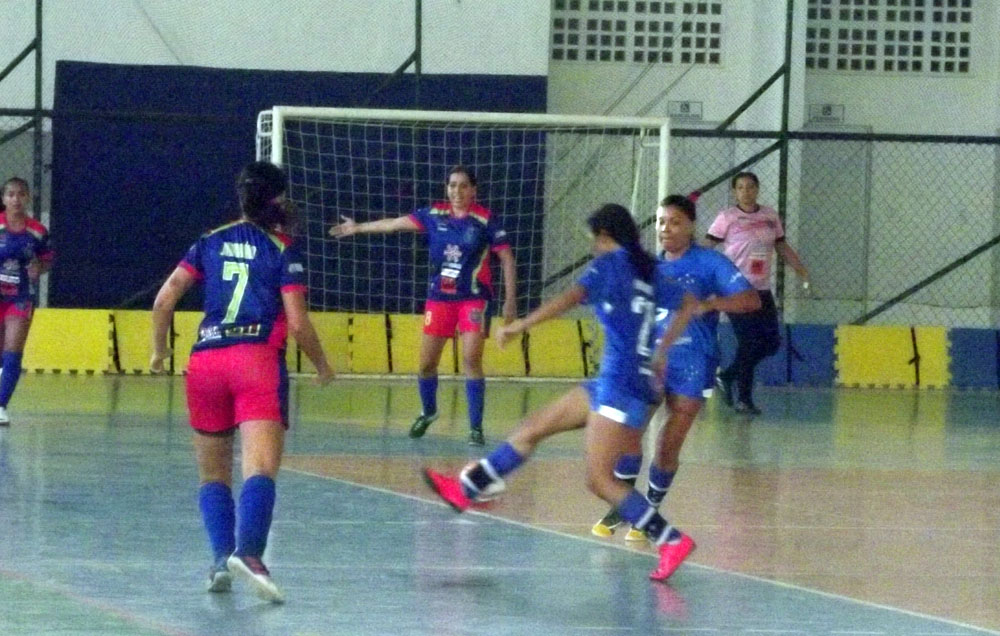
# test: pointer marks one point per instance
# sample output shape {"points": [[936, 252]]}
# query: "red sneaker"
{"points": [[671, 557], [449, 489]]}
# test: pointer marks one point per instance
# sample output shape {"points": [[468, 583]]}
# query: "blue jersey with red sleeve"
{"points": [[17, 249], [704, 273], [460, 251], [244, 269], [625, 305]]}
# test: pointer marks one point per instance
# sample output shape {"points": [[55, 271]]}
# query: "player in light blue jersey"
{"points": [[461, 238], [624, 288], [717, 285]]}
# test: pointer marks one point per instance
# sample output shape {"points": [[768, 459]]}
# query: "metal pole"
{"points": [[17, 60], [786, 87], [418, 51], [748, 102], [37, 177]]}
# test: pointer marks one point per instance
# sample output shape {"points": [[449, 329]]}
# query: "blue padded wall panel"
{"points": [[144, 159], [974, 358]]}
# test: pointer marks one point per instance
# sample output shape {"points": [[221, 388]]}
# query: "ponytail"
{"points": [[615, 221], [641, 260], [259, 185]]}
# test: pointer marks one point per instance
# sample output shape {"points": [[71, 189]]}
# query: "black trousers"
{"points": [[757, 337]]}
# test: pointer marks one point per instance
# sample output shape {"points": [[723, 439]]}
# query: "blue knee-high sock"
{"points": [[627, 468], [218, 512], [659, 483], [637, 511], [428, 388], [256, 506], [475, 394], [502, 461], [9, 376]]}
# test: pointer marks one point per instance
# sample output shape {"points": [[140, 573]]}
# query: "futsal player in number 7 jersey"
{"points": [[461, 236], [624, 289], [254, 281]]}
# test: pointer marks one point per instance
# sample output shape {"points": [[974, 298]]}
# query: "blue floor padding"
{"points": [[772, 371], [973, 362], [811, 358], [811, 362]]}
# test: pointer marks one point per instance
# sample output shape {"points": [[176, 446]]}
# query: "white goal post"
{"points": [[540, 174]]}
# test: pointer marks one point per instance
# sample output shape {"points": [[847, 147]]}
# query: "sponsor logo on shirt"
{"points": [[245, 251]]}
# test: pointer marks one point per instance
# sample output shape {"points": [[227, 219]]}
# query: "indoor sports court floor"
{"points": [[838, 512]]}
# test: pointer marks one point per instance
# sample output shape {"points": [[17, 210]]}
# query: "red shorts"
{"points": [[21, 308], [442, 317], [231, 385]]}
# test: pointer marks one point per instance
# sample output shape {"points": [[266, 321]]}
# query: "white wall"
{"points": [[925, 103], [459, 36], [753, 49]]}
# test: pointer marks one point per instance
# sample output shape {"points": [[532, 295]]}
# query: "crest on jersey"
{"points": [[452, 253]]}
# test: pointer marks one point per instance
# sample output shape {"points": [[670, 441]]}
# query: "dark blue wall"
{"points": [[144, 157]]}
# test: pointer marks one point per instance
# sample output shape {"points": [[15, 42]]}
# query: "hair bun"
{"points": [[694, 196]]}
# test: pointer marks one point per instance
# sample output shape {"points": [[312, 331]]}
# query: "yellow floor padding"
{"points": [[554, 349], [406, 332], [133, 339], [331, 328], [932, 343], [368, 346], [882, 356], [185, 334], [69, 341], [593, 344], [497, 362]]}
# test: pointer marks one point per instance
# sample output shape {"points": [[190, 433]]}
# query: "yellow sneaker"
{"points": [[606, 526], [635, 535]]}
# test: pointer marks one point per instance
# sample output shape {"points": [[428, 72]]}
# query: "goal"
{"points": [[540, 175]]}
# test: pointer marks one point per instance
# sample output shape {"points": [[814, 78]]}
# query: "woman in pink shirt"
{"points": [[750, 234]]}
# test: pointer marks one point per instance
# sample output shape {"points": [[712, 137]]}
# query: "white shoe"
{"points": [[4, 418], [253, 571], [219, 578]]}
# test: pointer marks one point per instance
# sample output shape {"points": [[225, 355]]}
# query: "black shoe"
{"points": [[725, 387], [420, 424], [476, 437], [746, 408]]}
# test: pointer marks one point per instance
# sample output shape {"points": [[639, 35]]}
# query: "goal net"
{"points": [[540, 175]]}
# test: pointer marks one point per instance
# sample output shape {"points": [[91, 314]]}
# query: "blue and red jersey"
{"points": [[460, 251], [17, 249], [244, 269]]}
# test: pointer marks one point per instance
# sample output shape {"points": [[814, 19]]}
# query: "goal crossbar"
{"points": [[271, 122]]}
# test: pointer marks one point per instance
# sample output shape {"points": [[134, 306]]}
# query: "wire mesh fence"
{"points": [[894, 229], [888, 226], [17, 151]]}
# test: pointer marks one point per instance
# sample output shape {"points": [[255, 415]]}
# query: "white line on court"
{"points": [[615, 546]]}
